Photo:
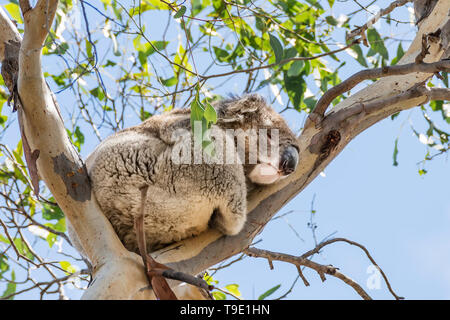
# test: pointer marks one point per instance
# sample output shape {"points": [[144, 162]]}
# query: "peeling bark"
{"points": [[74, 176]]}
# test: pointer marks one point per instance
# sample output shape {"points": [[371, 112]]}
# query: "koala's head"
{"points": [[273, 154]]}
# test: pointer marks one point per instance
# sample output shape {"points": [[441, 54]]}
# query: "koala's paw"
{"points": [[229, 224]]}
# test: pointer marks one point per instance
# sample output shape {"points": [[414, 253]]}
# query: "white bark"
{"points": [[118, 274], [61, 168]]}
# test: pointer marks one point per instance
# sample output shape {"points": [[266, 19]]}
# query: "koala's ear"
{"points": [[237, 110], [248, 104]]}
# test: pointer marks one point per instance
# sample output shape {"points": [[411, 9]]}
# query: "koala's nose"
{"points": [[289, 160]]}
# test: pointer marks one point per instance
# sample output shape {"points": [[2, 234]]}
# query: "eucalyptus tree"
{"points": [[120, 62]]}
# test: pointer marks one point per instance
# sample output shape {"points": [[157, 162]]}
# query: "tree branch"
{"points": [[353, 243], [328, 97], [300, 261], [61, 167], [361, 30]]}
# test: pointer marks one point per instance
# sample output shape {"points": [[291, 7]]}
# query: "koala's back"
{"points": [[180, 199]]}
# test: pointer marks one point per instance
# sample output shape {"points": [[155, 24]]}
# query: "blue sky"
{"points": [[402, 218]]}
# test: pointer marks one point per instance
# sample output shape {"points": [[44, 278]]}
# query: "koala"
{"points": [[185, 199]]}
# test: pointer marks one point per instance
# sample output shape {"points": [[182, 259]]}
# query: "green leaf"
{"points": [[310, 103], [98, 93], [109, 63], [210, 113], [59, 226], [79, 138], [197, 111], [4, 266], [276, 47], [145, 5], [22, 248], [14, 10], [148, 48], [50, 212], [209, 279], [144, 114], [400, 53], [158, 45], [315, 3], [331, 20], [51, 239], [4, 239], [234, 289], [3, 120], [295, 68], [217, 295], [290, 53], [196, 7], [221, 54], [445, 76], [360, 58], [376, 43], [269, 292], [180, 12], [67, 266], [395, 115], [436, 105], [169, 82], [11, 287], [89, 50], [18, 152], [394, 156], [60, 49], [260, 24], [295, 87]]}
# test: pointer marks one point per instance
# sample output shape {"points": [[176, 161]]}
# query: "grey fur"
{"points": [[182, 200]]}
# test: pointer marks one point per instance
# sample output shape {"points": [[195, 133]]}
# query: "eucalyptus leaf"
{"points": [[269, 292], [10, 288], [395, 154], [376, 43], [295, 68], [277, 48], [210, 113], [180, 12]]}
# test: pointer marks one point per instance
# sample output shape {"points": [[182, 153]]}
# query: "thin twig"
{"points": [[360, 30]]}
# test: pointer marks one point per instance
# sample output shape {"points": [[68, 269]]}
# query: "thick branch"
{"points": [[60, 166], [328, 97]]}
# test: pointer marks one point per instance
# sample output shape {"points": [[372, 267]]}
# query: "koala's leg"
{"points": [[231, 212]]}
